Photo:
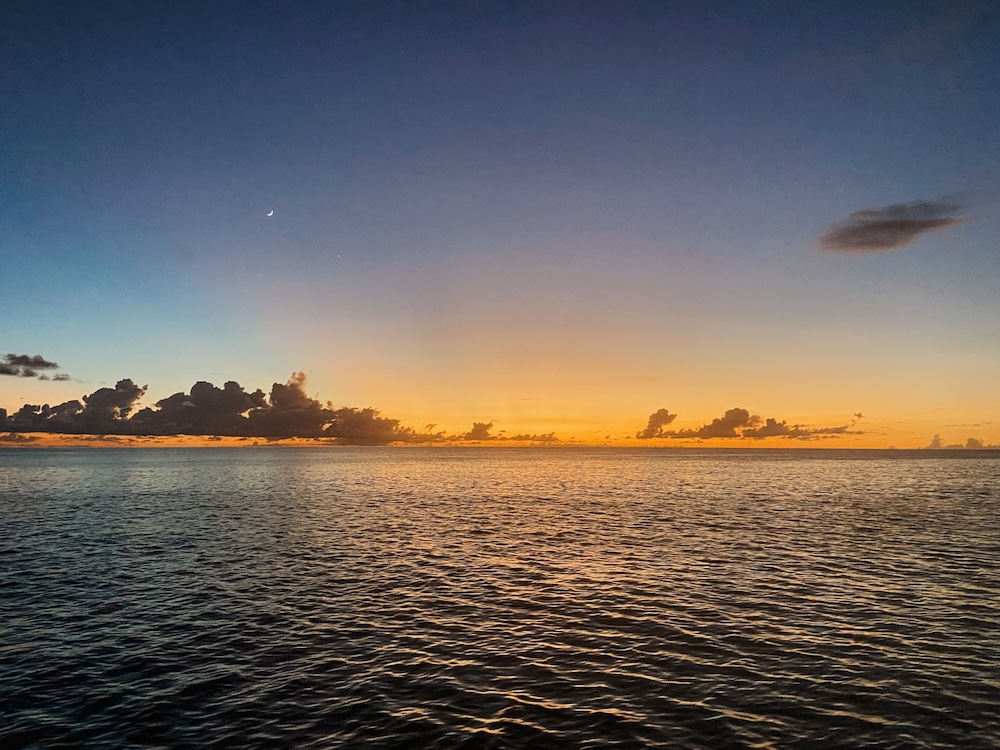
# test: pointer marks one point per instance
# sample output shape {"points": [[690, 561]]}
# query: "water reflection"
{"points": [[498, 598]]}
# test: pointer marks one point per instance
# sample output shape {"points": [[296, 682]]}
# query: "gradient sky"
{"points": [[557, 216]]}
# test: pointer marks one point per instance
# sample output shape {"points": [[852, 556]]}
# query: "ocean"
{"points": [[499, 598]]}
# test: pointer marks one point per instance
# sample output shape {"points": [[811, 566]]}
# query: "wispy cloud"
{"points": [[890, 228]]}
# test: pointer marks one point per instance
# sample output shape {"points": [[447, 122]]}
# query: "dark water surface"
{"points": [[498, 598]]}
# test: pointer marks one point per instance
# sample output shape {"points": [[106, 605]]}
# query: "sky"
{"points": [[555, 217]]}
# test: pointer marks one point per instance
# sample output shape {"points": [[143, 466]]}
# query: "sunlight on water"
{"points": [[499, 598]]}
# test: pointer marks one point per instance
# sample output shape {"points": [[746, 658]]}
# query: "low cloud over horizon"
{"points": [[740, 423], [971, 444], [890, 228], [28, 366], [231, 411], [286, 412], [481, 432]]}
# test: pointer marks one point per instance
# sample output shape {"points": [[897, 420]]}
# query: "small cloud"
{"points": [[890, 228], [28, 366], [479, 431], [654, 427], [37, 362]]}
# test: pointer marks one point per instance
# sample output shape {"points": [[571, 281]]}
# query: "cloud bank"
{"points": [[740, 423], [231, 411], [287, 411], [890, 228], [28, 366]]}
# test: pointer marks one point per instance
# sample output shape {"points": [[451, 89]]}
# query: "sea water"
{"points": [[497, 597]]}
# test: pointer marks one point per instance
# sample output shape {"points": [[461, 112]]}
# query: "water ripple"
{"points": [[498, 599]]}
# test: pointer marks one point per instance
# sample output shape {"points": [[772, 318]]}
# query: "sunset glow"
{"points": [[527, 374], [558, 224]]}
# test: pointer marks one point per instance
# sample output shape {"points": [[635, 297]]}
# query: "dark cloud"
{"points": [[206, 410], [774, 428], [28, 366], [231, 411], [479, 431], [113, 403], [726, 426], [482, 431], [740, 423], [290, 412], [37, 362], [890, 228], [105, 411], [654, 427], [367, 427]]}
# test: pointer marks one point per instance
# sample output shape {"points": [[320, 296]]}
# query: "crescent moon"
{"points": [[270, 213]]}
